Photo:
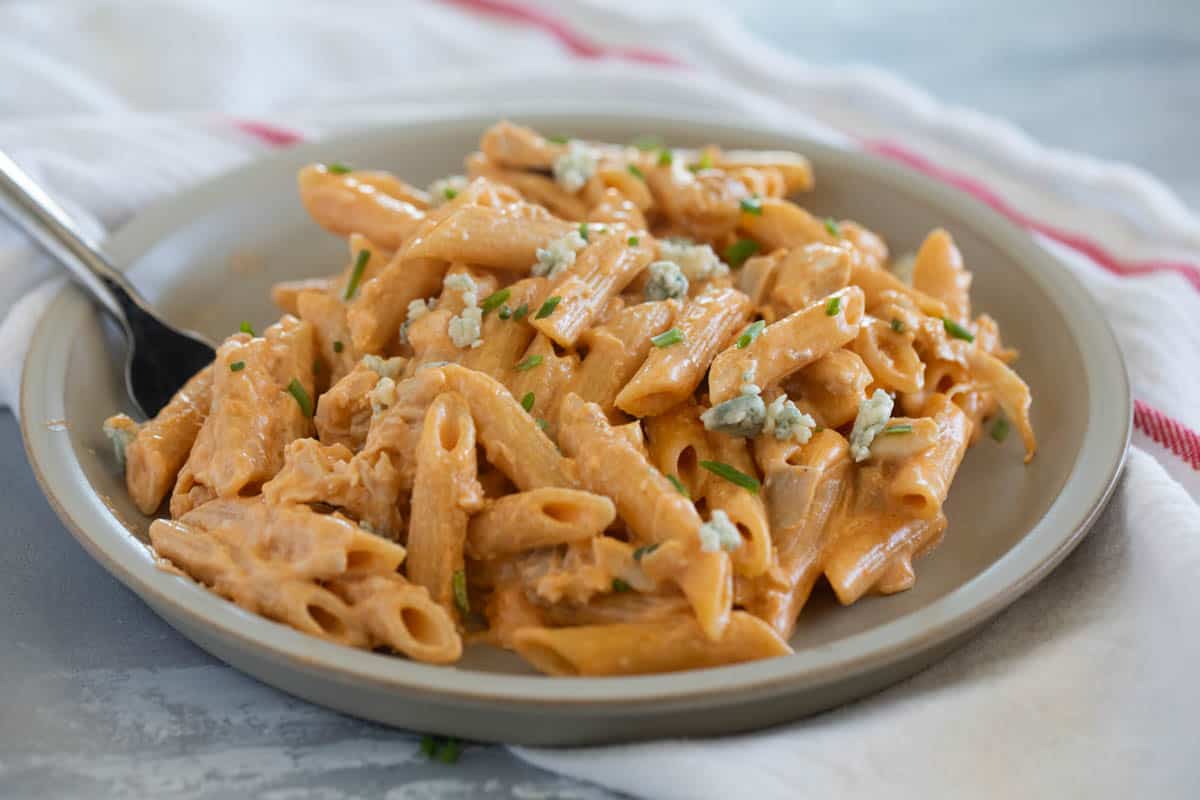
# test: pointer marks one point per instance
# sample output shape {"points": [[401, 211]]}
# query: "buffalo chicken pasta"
{"points": [[619, 409]]}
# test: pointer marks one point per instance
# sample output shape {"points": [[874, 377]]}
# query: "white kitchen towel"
{"points": [[1082, 687]]}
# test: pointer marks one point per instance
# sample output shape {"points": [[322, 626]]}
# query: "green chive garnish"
{"points": [[316, 366], [633, 241], [897, 326], [541, 423], [752, 205], [449, 193], [583, 231], [449, 752], [548, 307], [833, 227], [833, 306], [505, 312], [245, 327], [459, 584], [999, 430], [495, 300], [731, 474], [360, 263], [528, 363], [705, 162], [297, 390], [644, 551], [521, 312], [957, 331], [667, 338], [737, 253], [750, 334], [635, 172], [665, 158], [527, 401], [337, 168], [679, 487], [428, 745], [338, 346], [896, 430], [620, 585], [237, 366], [558, 139], [647, 142]]}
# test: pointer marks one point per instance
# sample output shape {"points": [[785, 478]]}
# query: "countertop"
{"points": [[101, 699]]}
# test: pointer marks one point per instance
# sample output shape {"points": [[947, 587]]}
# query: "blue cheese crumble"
{"points": [[719, 533], [873, 414], [903, 266], [575, 167], [558, 256], [698, 262], [121, 431], [466, 329], [384, 367], [740, 416], [667, 282], [785, 421], [416, 309], [445, 189]]}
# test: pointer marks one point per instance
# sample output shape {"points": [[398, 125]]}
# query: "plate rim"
{"points": [[716, 685]]}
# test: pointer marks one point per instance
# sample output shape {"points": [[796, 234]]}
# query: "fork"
{"points": [[159, 357]]}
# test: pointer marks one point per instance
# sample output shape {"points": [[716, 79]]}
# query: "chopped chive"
{"points": [[505, 312], [705, 162], [360, 263], [644, 551], [548, 307], [449, 193], [495, 300], [298, 391], [957, 331], [833, 227], [896, 430], [731, 474], [337, 168], [449, 752], [833, 306], [338, 346], [752, 205], [737, 253], [527, 401], [237, 366], [818, 429], [679, 487], [620, 585], [1000, 429], [647, 142], [316, 366], [528, 363], [246, 327], [667, 338], [633, 241], [750, 334], [521, 312], [541, 423], [583, 231], [558, 139], [428, 745], [665, 158], [458, 582], [636, 172], [897, 326]]}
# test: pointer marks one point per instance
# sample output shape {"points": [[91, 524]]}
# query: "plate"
{"points": [[208, 256]]}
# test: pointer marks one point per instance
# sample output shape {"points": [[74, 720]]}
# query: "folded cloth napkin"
{"points": [[1084, 687]]}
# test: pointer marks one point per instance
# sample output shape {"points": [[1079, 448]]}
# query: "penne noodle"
{"points": [[538, 518]]}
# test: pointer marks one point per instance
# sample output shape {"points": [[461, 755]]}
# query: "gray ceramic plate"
{"points": [[208, 256]]}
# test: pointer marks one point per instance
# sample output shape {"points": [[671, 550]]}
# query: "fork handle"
{"points": [[23, 201]]}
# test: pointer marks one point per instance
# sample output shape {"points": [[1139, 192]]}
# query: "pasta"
{"points": [[617, 410]]}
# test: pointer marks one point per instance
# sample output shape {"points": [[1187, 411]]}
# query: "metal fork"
{"points": [[159, 357]]}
